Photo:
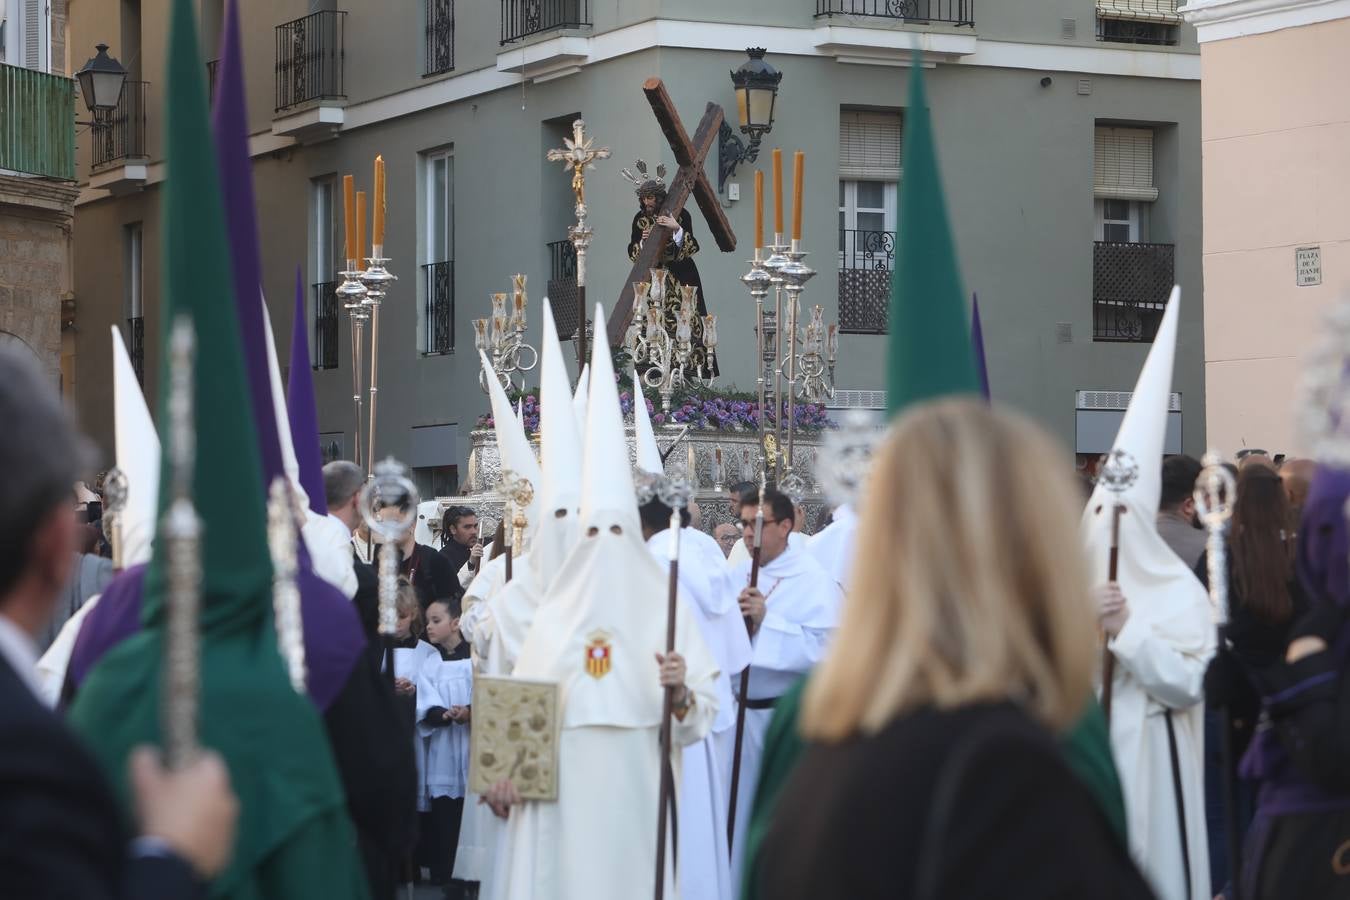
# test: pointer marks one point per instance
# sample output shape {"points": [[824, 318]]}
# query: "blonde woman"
{"points": [[964, 651]]}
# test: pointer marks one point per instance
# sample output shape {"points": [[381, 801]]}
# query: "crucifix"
{"points": [[689, 156], [579, 156]]}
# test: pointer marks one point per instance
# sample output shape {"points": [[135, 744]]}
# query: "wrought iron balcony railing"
{"points": [[919, 12], [119, 133], [440, 37], [1130, 284], [327, 316], [37, 126], [310, 59], [866, 259], [440, 307], [562, 287], [136, 348], [522, 18]]}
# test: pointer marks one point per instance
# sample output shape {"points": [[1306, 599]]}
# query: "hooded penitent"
{"points": [[514, 447], [1162, 651], [294, 837], [137, 457], [644, 438]]}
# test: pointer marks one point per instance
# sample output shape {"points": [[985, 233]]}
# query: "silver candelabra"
{"points": [[502, 337], [663, 358], [362, 294]]}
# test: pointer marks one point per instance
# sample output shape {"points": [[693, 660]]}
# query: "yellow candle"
{"points": [[377, 230], [798, 171], [360, 230], [777, 191], [759, 208], [349, 214]]}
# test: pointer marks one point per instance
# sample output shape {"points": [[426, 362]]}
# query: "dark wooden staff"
{"points": [[668, 707], [1109, 658], [745, 677]]}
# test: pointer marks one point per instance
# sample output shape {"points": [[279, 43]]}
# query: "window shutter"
{"points": [[1140, 10], [1122, 164], [36, 34], [869, 145]]}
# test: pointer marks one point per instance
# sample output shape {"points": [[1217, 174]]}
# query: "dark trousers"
{"points": [[443, 837]]}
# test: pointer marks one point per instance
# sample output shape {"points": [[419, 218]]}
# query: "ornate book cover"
{"points": [[515, 736]]}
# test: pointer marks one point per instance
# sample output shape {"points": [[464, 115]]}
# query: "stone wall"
{"points": [[35, 233]]}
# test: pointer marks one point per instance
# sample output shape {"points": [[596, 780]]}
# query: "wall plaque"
{"points": [[1308, 266]]}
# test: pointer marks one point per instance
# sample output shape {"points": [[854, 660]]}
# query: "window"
{"points": [[436, 313], [1117, 221], [133, 305], [1138, 21], [328, 250], [1122, 182], [440, 34], [26, 34], [869, 176]]}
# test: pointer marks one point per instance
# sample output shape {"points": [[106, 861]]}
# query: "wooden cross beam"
{"points": [[689, 155]]}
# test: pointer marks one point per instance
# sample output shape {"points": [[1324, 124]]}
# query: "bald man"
{"points": [[1297, 475]]}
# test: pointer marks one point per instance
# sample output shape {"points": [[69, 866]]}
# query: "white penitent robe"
{"points": [[597, 636], [833, 547], [491, 576], [408, 662], [705, 589], [1161, 656], [801, 611]]}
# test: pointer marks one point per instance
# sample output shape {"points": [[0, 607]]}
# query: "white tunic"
{"points": [[740, 552], [445, 683], [705, 589], [801, 611], [598, 840]]}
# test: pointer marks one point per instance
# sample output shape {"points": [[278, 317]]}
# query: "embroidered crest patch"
{"points": [[598, 655]]}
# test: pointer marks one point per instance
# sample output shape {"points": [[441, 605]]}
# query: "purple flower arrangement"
{"points": [[704, 411]]}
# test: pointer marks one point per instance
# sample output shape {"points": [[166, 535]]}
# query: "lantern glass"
{"points": [[760, 103]]}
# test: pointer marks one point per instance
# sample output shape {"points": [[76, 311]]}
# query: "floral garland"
{"points": [[700, 408]]}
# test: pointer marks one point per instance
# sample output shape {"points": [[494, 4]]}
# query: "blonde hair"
{"points": [[407, 603], [968, 584]]}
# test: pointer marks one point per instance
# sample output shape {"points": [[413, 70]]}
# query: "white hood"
{"points": [[138, 455]]}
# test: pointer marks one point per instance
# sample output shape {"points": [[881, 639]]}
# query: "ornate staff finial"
{"points": [[1215, 492], [846, 456], [181, 530], [389, 507], [281, 537], [115, 491]]}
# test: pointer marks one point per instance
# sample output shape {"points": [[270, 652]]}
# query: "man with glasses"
{"points": [[791, 614]]}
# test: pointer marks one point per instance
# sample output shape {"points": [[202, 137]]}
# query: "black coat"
{"points": [[431, 574], [975, 802], [61, 833]]}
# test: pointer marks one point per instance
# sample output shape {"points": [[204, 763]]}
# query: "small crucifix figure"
{"points": [[579, 156], [690, 178]]}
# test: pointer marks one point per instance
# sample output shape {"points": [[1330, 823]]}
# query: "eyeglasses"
{"points": [[750, 523]]}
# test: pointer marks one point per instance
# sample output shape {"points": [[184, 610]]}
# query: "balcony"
{"points": [[866, 31], [327, 315], [440, 52], [120, 158], [562, 287], [439, 279], [310, 93], [866, 259], [1138, 22], [1130, 285], [525, 18], [37, 128]]}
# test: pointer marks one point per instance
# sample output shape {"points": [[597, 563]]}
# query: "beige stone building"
{"points": [[1275, 131], [37, 189]]}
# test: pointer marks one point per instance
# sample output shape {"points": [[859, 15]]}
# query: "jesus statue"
{"points": [[677, 261]]}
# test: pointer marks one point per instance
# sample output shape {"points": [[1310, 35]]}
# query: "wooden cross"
{"points": [[689, 155]]}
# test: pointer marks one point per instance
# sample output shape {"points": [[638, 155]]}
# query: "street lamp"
{"points": [[756, 84], [101, 81]]}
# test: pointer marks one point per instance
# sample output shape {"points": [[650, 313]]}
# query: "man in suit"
{"points": [[61, 834]]}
